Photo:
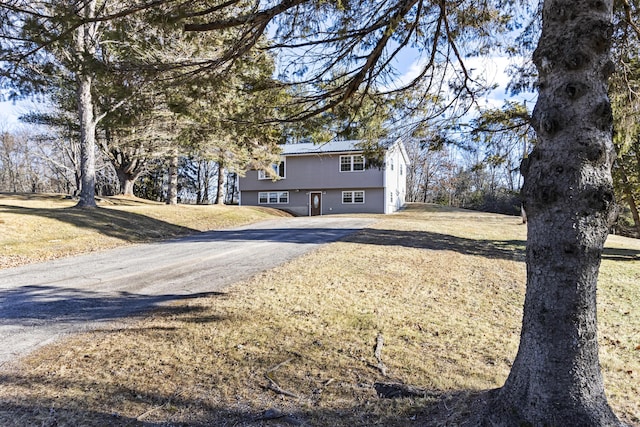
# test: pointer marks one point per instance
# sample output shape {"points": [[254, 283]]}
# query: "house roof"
{"points": [[335, 146], [326, 147]]}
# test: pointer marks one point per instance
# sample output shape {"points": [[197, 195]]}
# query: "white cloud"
{"points": [[492, 70], [10, 111]]}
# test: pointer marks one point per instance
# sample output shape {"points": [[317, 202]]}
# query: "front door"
{"points": [[316, 203]]}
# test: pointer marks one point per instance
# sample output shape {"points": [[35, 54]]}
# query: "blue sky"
{"points": [[10, 111], [492, 69]]}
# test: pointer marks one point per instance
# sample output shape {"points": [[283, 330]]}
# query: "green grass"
{"points": [[444, 289]]}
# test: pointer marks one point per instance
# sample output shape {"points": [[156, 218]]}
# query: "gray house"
{"points": [[329, 178]]}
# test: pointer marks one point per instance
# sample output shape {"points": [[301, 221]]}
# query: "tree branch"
{"points": [[249, 19]]}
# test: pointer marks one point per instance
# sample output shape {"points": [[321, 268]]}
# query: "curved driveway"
{"points": [[41, 302]]}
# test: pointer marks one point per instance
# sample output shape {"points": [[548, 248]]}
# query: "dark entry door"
{"points": [[316, 203]]}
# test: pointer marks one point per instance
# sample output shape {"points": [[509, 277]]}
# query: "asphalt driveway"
{"points": [[39, 303]]}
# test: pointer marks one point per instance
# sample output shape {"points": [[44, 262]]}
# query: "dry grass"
{"points": [[444, 288], [38, 227]]}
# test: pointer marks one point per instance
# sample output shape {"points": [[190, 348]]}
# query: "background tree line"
{"points": [[159, 91], [32, 162]]}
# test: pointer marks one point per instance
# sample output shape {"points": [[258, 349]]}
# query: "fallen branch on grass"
{"points": [[273, 385], [158, 407], [377, 352]]}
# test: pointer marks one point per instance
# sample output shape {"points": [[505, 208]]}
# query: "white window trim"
{"points": [[353, 197], [351, 163], [262, 175], [268, 194]]}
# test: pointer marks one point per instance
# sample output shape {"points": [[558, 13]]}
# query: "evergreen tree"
{"points": [[556, 378], [626, 106], [122, 62]]}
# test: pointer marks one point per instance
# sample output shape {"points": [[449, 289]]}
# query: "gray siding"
{"points": [[320, 172], [331, 201], [314, 172]]}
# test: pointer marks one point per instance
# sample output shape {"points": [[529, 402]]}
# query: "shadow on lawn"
{"points": [[69, 407], [497, 249], [123, 225], [505, 249], [618, 254], [301, 235], [45, 305]]}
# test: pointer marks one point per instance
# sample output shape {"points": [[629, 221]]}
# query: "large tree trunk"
{"points": [[555, 379], [128, 168], [87, 144], [220, 194], [126, 185], [230, 192], [172, 188], [199, 183], [206, 182], [627, 189], [127, 174], [78, 178], [85, 45]]}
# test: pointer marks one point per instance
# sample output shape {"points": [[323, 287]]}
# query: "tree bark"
{"points": [[87, 144], [126, 186], [627, 189], [128, 168], [85, 45], [231, 188], [199, 183], [206, 181], [523, 213], [172, 188], [555, 379], [220, 194]]}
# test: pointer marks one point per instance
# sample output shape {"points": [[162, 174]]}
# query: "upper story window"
{"points": [[278, 168], [352, 163], [391, 163]]}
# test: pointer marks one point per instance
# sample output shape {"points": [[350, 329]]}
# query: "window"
{"points": [[351, 163], [345, 163], [391, 163], [358, 163], [391, 194], [273, 197], [353, 197], [278, 168], [400, 169]]}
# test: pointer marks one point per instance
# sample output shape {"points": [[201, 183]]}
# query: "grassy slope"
{"points": [[37, 227], [443, 288]]}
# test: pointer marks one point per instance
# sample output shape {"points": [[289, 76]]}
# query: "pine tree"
{"points": [[568, 188]]}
